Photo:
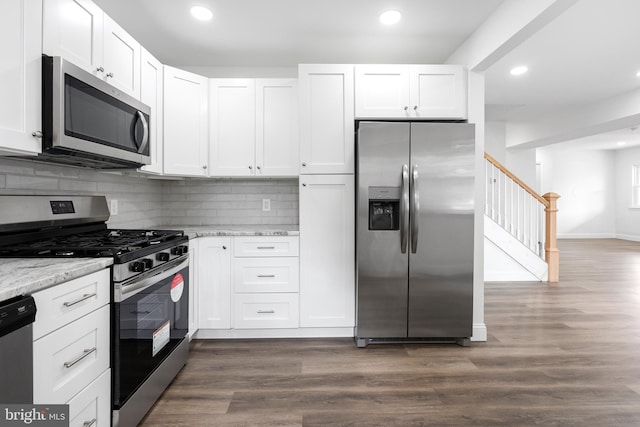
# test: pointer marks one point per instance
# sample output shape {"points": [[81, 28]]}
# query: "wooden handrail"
{"points": [[517, 180]]}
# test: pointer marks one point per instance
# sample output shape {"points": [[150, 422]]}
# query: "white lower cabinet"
{"points": [[214, 282], [327, 251], [265, 310], [92, 407], [71, 348]]}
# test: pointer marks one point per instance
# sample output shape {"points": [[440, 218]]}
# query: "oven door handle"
{"points": [[138, 284]]}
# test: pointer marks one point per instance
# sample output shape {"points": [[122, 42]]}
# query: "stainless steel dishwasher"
{"points": [[16, 349]]}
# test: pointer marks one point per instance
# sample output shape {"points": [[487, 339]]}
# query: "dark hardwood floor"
{"points": [[557, 355]]}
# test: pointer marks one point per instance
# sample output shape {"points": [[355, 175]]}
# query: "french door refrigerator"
{"points": [[415, 220]]}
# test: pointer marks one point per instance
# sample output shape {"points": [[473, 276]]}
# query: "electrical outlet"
{"points": [[266, 205], [113, 209]]}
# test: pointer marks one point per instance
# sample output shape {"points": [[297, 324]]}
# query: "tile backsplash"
{"points": [[144, 202]]}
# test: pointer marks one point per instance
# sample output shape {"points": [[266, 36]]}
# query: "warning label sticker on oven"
{"points": [[161, 337], [177, 286]]}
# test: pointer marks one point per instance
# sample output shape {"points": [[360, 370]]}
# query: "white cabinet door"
{"points": [[21, 76], [438, 91], [327, 251], [233, 127], [73, 29], [92, 406], [194, 263], [151, 94], [214, 282], [185, 123], [382, 91], [121, 58], [326, 119], [277, 127], [410, 92]]}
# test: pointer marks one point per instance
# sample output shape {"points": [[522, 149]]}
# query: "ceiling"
{"points": [[590, 52]]}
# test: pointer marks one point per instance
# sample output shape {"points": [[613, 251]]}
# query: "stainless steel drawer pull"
{"points": [[79, 300], [89, 423], [266, 275], [266, 247], [266, 311], [84, 354]]}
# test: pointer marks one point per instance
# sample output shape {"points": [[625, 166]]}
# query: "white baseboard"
{"points": [[274, 333], [479, 332], [586, 236]]}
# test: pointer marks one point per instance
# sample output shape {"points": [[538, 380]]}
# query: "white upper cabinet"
{"points": [[21, 71], [185, 123], [121, 58], [277, 127], [79, 31], [253, 127], [232, 119], [410, 92], [151, 94], [326, 119]]}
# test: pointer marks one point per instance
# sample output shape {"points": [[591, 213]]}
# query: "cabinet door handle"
{"points": [[100, 69], [259, 167], [79, 300], [415, 108], [266, 247], [406, 108], [204, 166], [224, 248], [89, 423], [87, 351], [110, 75], [266, 275], [304, 184], [37, 134], [266, 311], [250, 167], [304, 163]]}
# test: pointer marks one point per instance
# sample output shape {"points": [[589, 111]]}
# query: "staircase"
{"points": [[519, 229]]}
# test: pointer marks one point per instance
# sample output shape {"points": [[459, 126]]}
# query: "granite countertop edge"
{"points": [[24, 276], [221, 231]]}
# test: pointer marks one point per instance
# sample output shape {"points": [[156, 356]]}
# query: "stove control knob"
{"points": [[136, 266], [148, 263], [163, 256], [178, 250], [185, 249]]}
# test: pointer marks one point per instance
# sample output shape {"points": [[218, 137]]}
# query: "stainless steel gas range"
{"points": [[149, 287]]}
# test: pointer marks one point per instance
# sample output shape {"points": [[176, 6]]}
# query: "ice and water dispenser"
{"points": [[384, 208]]}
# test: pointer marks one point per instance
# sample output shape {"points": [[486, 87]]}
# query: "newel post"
{"points": [[552, 254]]}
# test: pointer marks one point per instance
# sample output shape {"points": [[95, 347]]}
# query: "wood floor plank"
{"points": [[560, 354]]}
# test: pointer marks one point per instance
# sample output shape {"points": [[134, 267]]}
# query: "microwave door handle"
{"points": [[145, 132]]}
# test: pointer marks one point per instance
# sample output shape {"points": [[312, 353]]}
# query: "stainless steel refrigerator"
{"points": [[415, 220]]}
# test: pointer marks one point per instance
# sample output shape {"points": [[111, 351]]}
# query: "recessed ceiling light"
{"points": [[517, 71], [638, 74], [201, 13], [390, 17], [621, 143]]}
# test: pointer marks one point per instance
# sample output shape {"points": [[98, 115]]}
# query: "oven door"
{"points": [[151, 317]]}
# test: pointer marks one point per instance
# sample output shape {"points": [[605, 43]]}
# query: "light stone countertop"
{"points": [[24, 276], [235, 230]]}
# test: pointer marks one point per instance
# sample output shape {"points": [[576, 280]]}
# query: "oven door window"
{"points": [[149, 325]]}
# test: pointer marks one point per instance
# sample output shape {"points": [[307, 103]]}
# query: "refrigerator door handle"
{"points": [[404, 210], [415, 209]]}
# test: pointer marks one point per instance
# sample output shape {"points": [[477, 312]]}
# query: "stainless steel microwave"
{"points": [[87, 122]]}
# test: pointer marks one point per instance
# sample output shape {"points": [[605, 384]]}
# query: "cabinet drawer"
{"points": [[246, 246], [62, 304], [67, 360], [261, 311], [92, 403], [254, 275]]}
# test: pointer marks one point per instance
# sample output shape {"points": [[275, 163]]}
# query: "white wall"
{"points": [[521, 162], [627, 219], [585, 180]]}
